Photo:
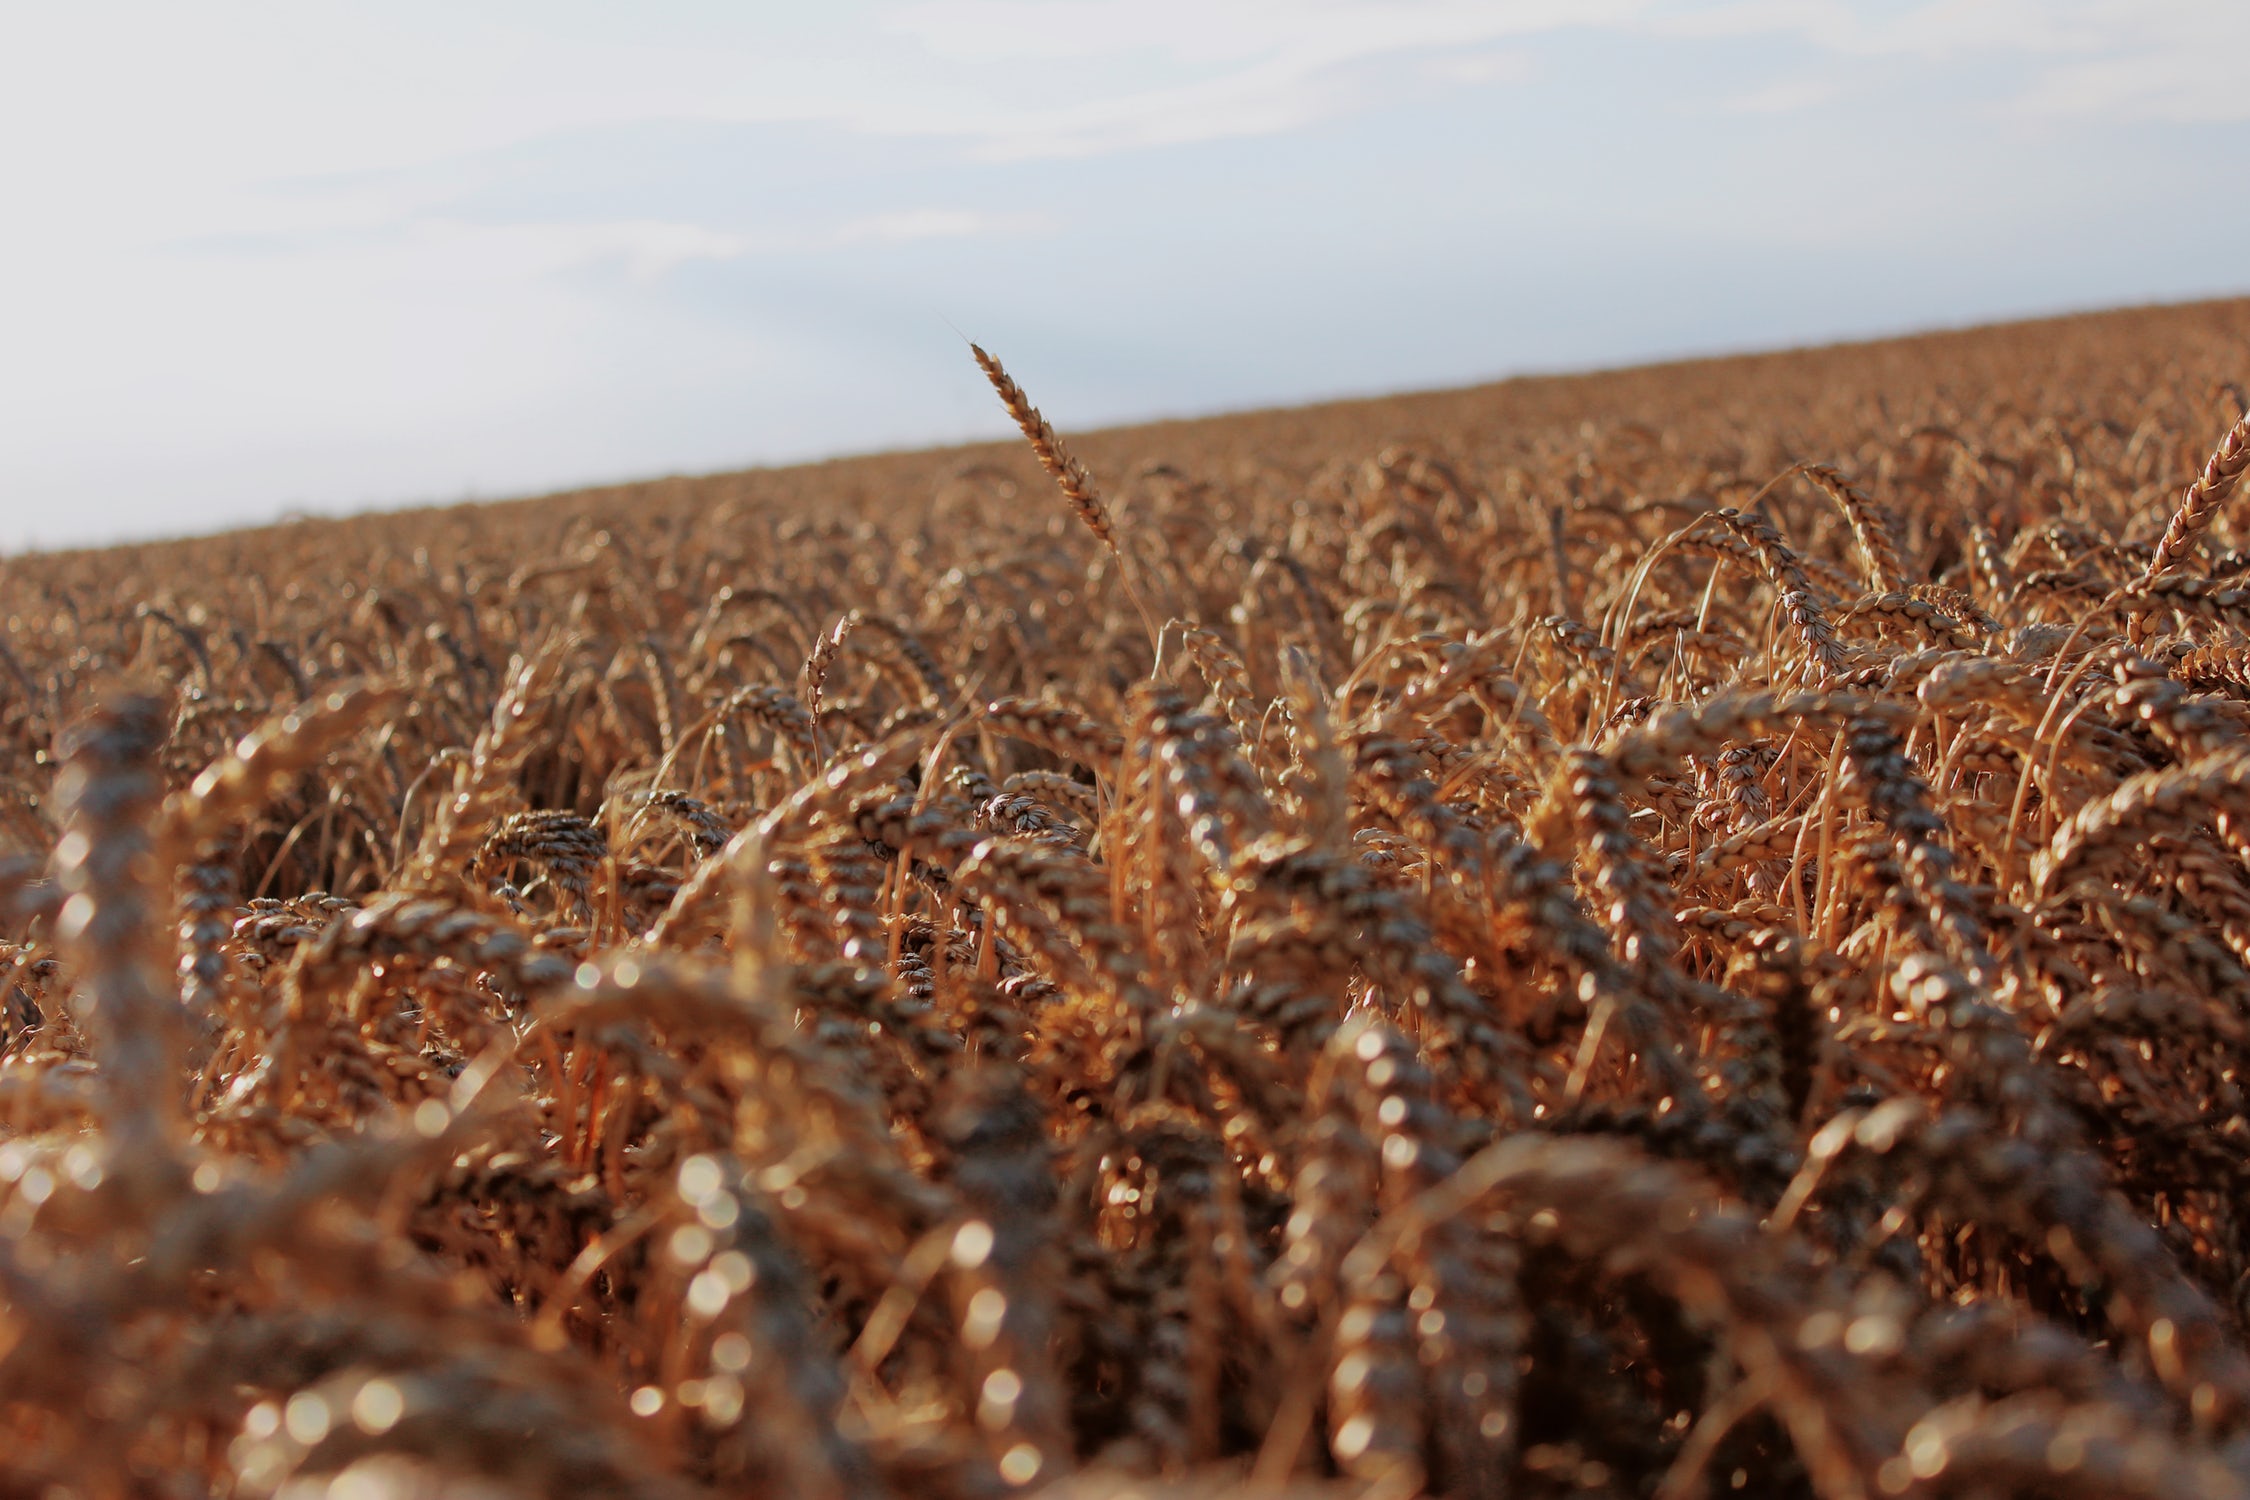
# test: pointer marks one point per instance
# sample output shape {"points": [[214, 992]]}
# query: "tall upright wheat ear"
{"points": [[2200, 502], [1070, 475]]}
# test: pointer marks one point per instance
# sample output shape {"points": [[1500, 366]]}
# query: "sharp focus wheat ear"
{"points": [[1077, 485], [2200, 503], [820, 659], [1069, 474]]}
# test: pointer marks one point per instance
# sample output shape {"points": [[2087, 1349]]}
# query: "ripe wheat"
{"points": [[1593, 952]]}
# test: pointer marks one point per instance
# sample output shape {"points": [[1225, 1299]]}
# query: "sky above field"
{"points": [[323, 257]]}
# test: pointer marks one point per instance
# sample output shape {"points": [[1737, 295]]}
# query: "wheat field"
{"points": [[1671, 933]]}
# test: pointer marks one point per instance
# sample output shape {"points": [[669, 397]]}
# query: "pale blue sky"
{"points": [[326, 256]]}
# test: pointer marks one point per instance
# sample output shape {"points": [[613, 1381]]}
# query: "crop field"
{"points": [[1671, 933]]}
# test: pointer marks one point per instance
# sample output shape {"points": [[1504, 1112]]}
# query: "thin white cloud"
{"points": [[1939, 29], [1254, 67], [939, 224], [2155, 85], [1509, 65], [643, 248], [2115, 59], [1783, 98], [2167, 61], [1200, 34]]}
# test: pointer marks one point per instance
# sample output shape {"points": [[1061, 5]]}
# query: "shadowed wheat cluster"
{"points": [[1665, 934]]}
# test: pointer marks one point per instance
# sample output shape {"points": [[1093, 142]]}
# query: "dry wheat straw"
{"points": [[1584, 969]]}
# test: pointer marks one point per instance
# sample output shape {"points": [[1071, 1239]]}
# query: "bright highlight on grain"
{"points": [[378, 1407], [1677, 933]]}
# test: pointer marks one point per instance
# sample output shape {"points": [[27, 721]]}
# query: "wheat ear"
{"points": [[1069, 474], [2199, 504]]}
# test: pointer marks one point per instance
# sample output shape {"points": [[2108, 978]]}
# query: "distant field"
{"points": [[1672, 932]]}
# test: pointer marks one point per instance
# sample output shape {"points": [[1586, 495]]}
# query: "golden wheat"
{"points": [[1568, 965]]}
